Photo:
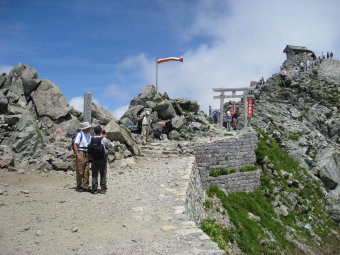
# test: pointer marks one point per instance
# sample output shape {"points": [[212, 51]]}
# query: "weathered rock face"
{"points": [[302, 115], [117, 133], [49, 101], [36, 121]]}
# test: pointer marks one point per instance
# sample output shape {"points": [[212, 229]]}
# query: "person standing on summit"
{"points": [[81, 142], [146, 121]]}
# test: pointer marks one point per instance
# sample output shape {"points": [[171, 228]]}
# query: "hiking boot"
{"points": [[102, 191], [94, 191], [104, 188], [86, 189]]}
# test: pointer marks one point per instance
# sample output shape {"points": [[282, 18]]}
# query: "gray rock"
{"points": [[174, 135], [49, 101], [334, 211], [148, 93], [127, 122], [115, 132], [60, 165], [282, 210], [6, 156], [295, 113], [188, 105], [178, 122], [30, 79], [102, 115], [133, 112], [127, 153], [328, 167], [165, 110], [12, 119], [2, 80], [3, 103], [13, 109], [25, 120], [17, 88]]}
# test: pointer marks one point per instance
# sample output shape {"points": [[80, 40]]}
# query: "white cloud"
{"points": [[118, 113], [5, 69], [78, 103], [245, 40]]}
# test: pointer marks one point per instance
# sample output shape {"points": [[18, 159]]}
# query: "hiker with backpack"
{"points": [[80, 144], [97, 150], [229, 118]]}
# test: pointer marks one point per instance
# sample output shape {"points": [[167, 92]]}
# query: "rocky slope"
{"points": [[302, 115], [36, 121]]}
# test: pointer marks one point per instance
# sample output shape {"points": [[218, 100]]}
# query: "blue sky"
{"points": [[110, 47]]}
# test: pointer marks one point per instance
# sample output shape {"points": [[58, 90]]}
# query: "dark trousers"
{"points": [[99, 166]]}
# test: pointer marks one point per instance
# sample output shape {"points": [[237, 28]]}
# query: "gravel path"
{"points": [[142, 212]]}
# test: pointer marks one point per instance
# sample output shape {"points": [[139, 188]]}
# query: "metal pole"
{"points": [[156, 76], [209, 110]]}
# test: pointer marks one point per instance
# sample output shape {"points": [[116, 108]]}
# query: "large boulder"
{"points": [[30, 79], [115, 132], [178, 122], [3, 103], [329, 168], [102, 115], [188, 105], [148, 93], [165, 110], [132, 113], [2, 80], [49, 101], [16, 88], [6, 156]]}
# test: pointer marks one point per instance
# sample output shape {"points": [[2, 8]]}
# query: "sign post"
{"points": [[87, 107]]}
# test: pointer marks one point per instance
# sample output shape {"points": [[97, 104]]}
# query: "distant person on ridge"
{"points": [[331, 55], [262, 81], [146, 122], [235, 120], [327, 55], [81, 142], [323, 55], [302, 66], [215, 116], [229, 118], [98, 153]]}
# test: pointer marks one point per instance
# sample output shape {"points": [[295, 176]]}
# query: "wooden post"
{"points": [[245, 103], [221, 109], [87, 107], [209, 110]]}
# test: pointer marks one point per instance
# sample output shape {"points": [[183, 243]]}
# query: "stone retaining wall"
{"points": [[236, 182], [195, 197], [231, 152]]}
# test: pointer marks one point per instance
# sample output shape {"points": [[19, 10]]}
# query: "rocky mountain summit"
{"points": [[36, 121], [302, 114], [187, 120]]}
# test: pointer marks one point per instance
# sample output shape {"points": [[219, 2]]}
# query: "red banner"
{"points": [[250, 106], [233, 107]]}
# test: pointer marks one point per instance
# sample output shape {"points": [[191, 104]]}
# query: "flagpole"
{"points": [[156, 76]]}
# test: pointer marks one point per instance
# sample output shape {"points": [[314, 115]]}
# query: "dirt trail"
{"points": [[141, 213]]}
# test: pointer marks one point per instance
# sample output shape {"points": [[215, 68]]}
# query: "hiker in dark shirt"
{"points": [[98, 155]]}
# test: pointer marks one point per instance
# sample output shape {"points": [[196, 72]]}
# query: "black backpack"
{"points": [[96, 148]]}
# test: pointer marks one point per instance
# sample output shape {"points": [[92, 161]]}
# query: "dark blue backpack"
{"points": [[96, 149], [73, 138]]}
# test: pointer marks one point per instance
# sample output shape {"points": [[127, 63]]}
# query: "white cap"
{"points": [[85, 125]]}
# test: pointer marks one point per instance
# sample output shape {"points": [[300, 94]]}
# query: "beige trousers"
{"points": [[83, 170], [145, 132]]}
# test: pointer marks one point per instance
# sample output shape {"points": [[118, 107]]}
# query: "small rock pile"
{"points": [[36, 121]]}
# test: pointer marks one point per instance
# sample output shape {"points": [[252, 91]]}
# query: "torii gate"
{"points": [[233, 90]]}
